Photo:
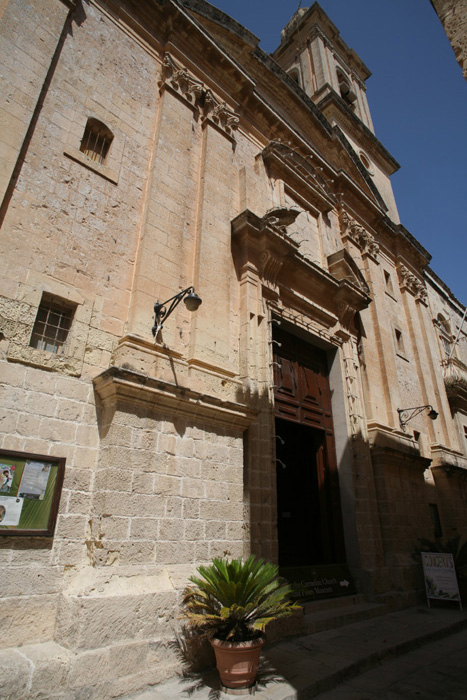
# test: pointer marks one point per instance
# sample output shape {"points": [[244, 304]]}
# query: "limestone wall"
{"points": [[453, 15], [222, 177]]}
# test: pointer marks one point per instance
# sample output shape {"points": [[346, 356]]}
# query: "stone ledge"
{"points": [[118, 384]]}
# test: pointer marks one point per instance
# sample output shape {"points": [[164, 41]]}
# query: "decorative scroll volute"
{"points": [[351, 229], [412, 284], [198, 96]]}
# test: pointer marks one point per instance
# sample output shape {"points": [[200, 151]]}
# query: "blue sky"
{"points": [[418, 101]]}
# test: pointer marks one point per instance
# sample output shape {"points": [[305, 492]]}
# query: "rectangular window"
{"points": [[388, 283], [400, 349], [53, 322]]}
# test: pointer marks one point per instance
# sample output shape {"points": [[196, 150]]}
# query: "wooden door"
{"points": [[309, 511]]}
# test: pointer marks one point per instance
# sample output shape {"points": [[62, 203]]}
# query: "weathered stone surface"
{"points": [[15, 674], [262, 184], [27, 620]]}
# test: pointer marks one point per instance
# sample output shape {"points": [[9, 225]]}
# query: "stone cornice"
{"points": [[447, 460], [361, 169], [274, 255], [442, 289], [116, 385], [215, 15], [332, 101], [297, 169]]}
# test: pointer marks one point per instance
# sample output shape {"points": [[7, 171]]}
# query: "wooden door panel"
{"points": [[309, 385], [290, 411], [285, 379]]}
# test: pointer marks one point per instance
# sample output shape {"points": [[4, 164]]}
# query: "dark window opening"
{"points": [[345, 88], [437, 529], [96, 141], [388, 282], [295, 75], [399, 342]]}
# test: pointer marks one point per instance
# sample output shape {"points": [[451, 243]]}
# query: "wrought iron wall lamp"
{"points": [[406, 414], [192, 302]]}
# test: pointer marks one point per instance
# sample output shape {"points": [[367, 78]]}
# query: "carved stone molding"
{"points": [[351, 229], [264, 241], [219, 113], [262, 244], [198, 96], [412, 284], [280, 218], [343, 267], [180, 80], [299, 170]]}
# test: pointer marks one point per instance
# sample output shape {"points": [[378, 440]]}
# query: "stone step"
{"points": [[319, 615], [313, 606], [331, 618]]}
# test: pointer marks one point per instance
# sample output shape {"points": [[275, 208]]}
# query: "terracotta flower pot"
{"points": [[237, 662]]}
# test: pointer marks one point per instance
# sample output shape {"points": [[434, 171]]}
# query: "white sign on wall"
{"points": [[440, 577]]}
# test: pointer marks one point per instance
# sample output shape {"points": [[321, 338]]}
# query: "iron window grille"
{"points": [[96, 141], [51, 327]]}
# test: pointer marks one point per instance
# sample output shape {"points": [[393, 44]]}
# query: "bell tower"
{"points": [[315, 56], [313, 53]]}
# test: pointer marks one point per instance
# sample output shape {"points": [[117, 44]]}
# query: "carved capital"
{"points": [[180, 80], [219, 113], [198, 95], [351, 229], [412, 284]]}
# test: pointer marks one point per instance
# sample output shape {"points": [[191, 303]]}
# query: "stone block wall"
{"points": [[453, 16], [166, 491]]}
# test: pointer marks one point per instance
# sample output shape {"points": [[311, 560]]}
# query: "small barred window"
{"points": [[52, 325], [96, 141]]}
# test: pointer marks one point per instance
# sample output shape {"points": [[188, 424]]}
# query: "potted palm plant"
{"points": [[231, 603]]}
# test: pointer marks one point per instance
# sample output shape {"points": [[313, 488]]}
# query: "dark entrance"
{"points": [[308, 500]]}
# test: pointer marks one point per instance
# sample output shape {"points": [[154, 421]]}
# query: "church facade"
{"points": [[151, 151]]}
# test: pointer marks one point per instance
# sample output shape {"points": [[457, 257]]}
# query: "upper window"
{"points": [[53, 322], [400, 347], [96, 141], [345, 88], [445, 338], [295, 75], [388, 282]]}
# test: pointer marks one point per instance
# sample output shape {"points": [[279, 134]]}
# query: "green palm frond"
{"points": [[236, 599]]}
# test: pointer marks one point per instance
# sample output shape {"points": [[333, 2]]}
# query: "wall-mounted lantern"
{"points": [[406, 414], [192, 302]]}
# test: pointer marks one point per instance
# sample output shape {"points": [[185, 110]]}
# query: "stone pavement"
{"points": [[415, 653]]}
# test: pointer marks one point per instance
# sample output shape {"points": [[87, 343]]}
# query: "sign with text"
{"points": [[440, 577], [30, 487], [319, 582]]}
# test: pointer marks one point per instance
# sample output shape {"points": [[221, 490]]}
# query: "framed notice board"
{"points": [[30, 488], [440, 577]]}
